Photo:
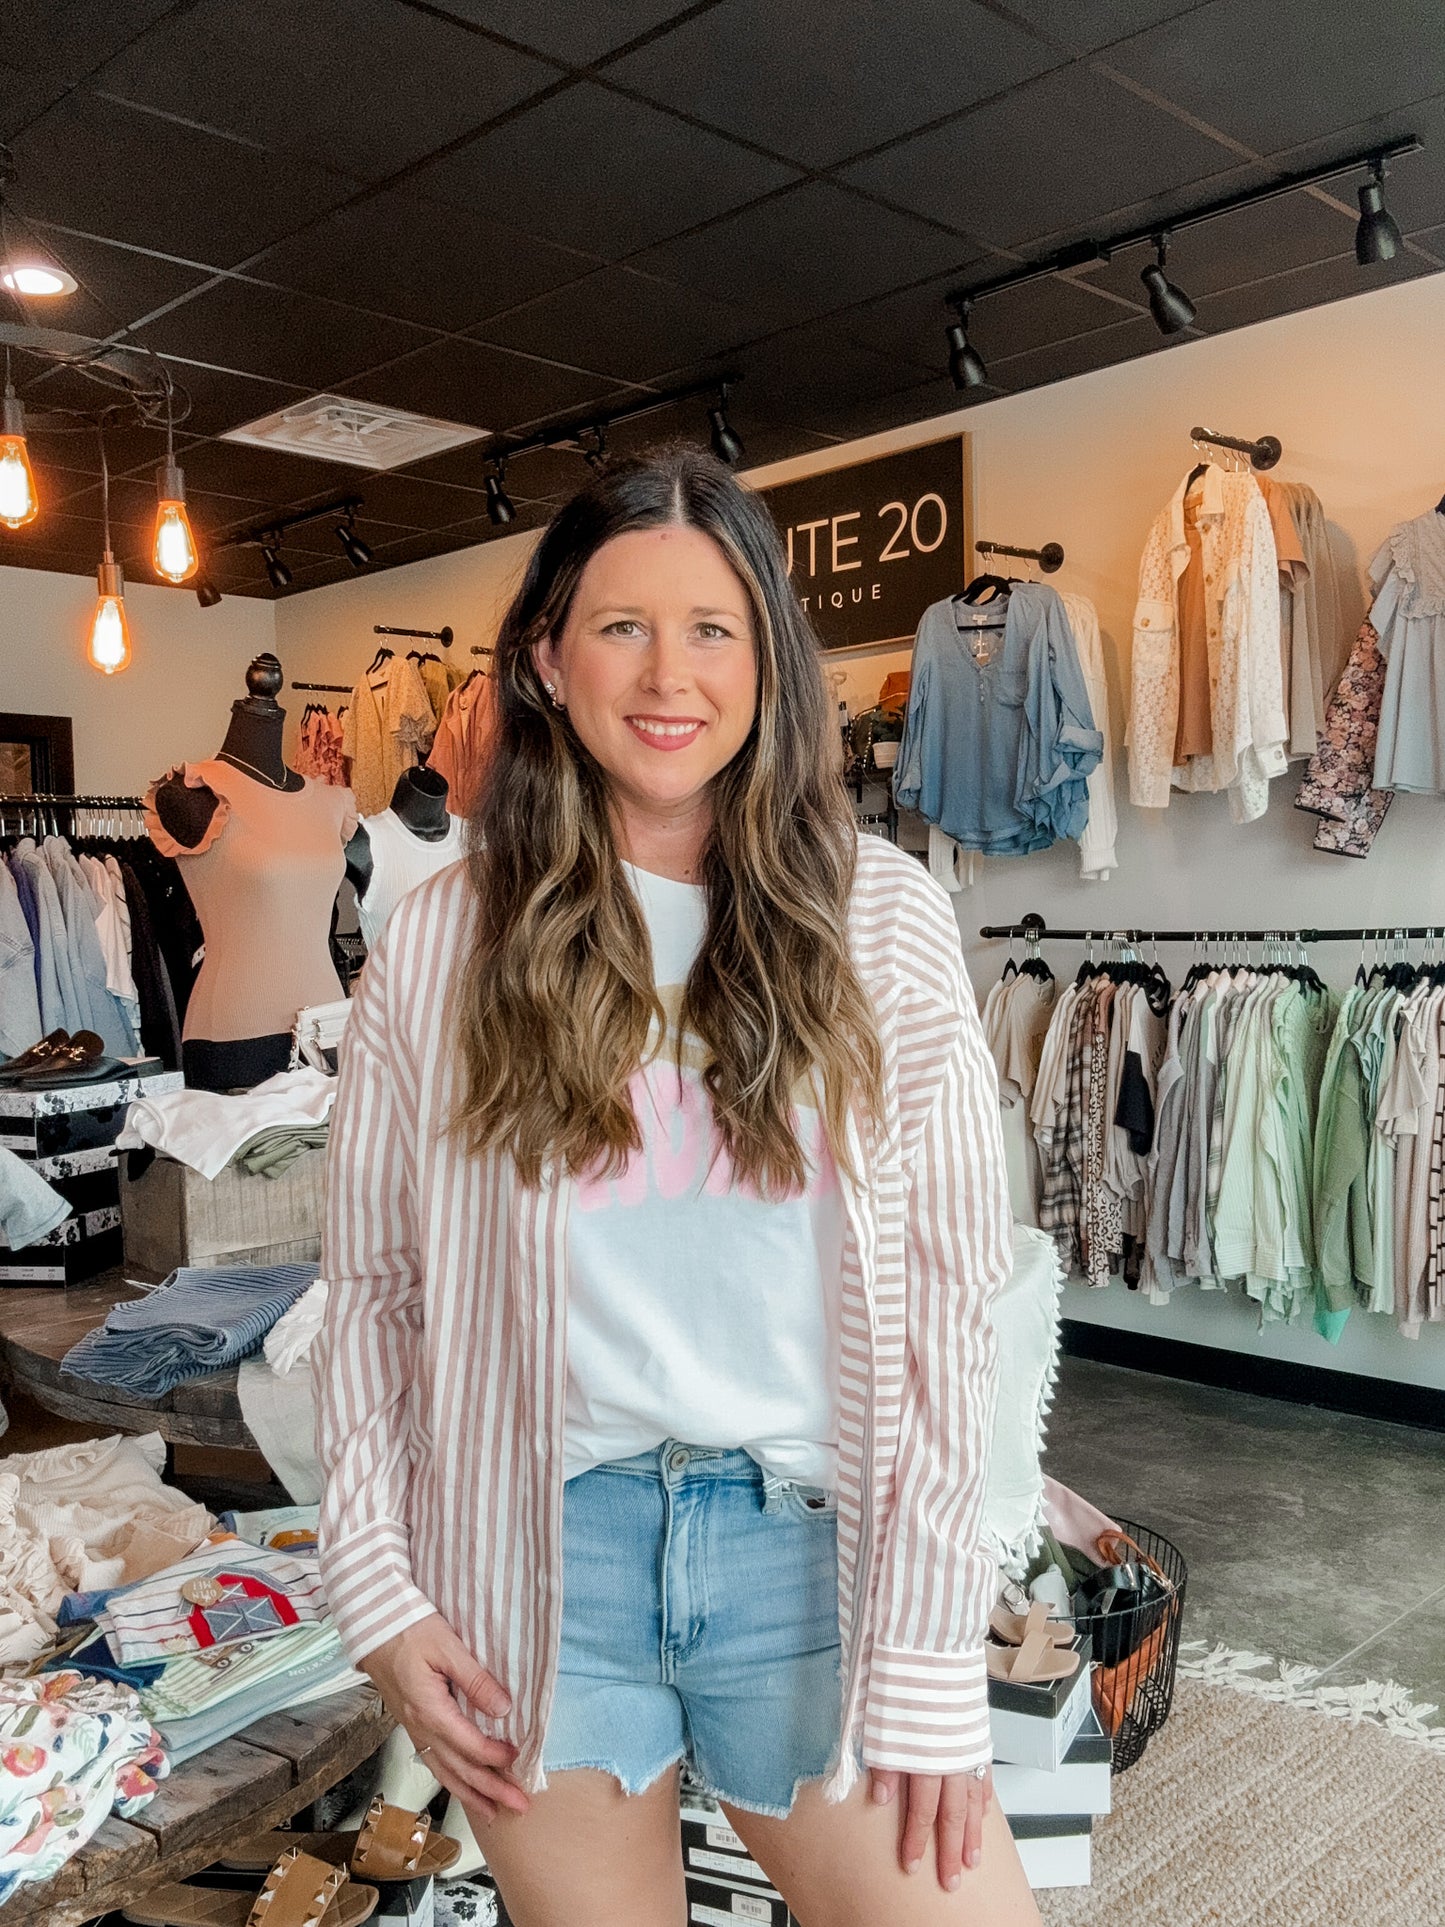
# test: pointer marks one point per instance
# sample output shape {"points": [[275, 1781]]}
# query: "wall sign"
{"points": [[871, 545]]}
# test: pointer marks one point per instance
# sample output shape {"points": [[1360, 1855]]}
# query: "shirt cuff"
{"points": [[927, 1712], [370, 1589]]}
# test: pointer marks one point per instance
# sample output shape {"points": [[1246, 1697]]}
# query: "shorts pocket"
{"points": [[809, 1502]]}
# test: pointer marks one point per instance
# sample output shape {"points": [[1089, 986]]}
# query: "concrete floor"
{"points": [[1309, 1535]]}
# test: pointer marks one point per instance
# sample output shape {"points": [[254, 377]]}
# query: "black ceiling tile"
{"points": [[1415, 184], [223, 398], [806, 253], [1059, 361], [1096, 24], [139, 177], [295, 338], [118, 285], [577, 34], [398, 253], [630, 325], [1432, 238], [1308, 287], [81, 536], [58, 481], [420, 547], [405, 501], [1293, 70], [592, 170], [53, 561], [1276, 235], [995, 174], [546, 474], [24, 96], [847, 78], [133, 499], [270, 478], [1016, 319], [372, 87], [72, 40], [465, 381]]}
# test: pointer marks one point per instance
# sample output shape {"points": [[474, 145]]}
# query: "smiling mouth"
{"points": [[665, 732]]}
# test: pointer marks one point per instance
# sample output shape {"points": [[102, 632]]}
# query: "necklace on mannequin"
{"points": [[228, 756]]}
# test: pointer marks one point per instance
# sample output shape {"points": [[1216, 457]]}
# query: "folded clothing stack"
{"points": [[206, 1129], [237, 1630], [73, 1750], [200, 1320], [272, 1152]]}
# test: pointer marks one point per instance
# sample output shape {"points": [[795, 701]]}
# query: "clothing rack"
{"points": [[444, 636], [1049, 557], [324, 688], [75, 802], [1036, 930], [1263, 453], [476, 651]]}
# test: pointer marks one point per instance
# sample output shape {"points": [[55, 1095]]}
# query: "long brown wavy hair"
{"points": [[556, 997]]}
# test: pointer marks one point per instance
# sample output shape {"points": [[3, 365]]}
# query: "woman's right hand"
{"points": [[415, 1673]]}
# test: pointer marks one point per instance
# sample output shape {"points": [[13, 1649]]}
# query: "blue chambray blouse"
{"points": [[1000, 739]]}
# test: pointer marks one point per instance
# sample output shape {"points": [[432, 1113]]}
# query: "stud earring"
{"points": [[551, 689]]}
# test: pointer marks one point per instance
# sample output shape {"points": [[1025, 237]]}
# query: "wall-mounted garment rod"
{"points": [[444, 636], [1263, 453], [1049, 557], [476, 651], [1033, 927], [325, 688]]}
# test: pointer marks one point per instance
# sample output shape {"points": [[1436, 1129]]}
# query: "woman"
{"points": [[666, 1209]]}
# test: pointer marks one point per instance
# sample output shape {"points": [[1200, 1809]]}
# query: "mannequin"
{"points": [[420, 802], [401, 846], [261, 852], [253, 745]]}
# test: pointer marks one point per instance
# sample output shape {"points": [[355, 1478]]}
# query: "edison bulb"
{"points": [[110, 636], [19, 502], [174, 553]]}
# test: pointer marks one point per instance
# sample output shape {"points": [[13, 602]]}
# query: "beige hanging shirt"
{"points": [[388, 729], [1241, 609]]}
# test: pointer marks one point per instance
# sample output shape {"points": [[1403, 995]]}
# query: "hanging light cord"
{"points": [[104, 491]]}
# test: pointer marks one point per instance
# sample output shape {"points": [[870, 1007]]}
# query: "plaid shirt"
{"points": [[1062, 1192]]}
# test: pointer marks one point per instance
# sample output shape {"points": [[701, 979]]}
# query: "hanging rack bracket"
{"points": [[1263, 452], [1049, 558], [1032, 925]]}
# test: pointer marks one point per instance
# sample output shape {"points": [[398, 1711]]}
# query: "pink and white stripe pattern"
{"points": [[441, 1372]]}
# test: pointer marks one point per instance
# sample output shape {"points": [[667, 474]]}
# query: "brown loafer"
{"points": [[36, 1054]]}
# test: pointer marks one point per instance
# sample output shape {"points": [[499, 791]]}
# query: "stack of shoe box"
{"points": [[1051, 1771], [67, 1136], [725, 1886]]}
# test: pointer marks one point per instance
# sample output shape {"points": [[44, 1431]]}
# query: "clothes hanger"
{"points": [[382, 655]]}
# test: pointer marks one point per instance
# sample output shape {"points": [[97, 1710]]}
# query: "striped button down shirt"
{"points": [[442, 1366]]}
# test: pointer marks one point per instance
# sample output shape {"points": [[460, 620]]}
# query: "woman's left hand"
{"points": [[951, 1807]]}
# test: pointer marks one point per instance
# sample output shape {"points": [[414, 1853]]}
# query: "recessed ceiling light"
{"points": [[37, 278]]}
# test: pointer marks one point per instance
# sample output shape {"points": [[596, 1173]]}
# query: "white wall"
{"points": [[1354, 392], [171, 705]]}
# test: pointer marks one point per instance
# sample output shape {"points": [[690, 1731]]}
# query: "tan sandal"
{"points": [[299, 1891], [392, 1844], [1034, 1663], [1012, 1629]]}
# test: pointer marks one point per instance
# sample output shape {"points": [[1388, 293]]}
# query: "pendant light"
{"points": [[174, 550], [109, 644], [19, 502]]}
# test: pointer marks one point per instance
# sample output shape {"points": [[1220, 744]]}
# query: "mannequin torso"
{"points": [[420, 802], [252, 745]]}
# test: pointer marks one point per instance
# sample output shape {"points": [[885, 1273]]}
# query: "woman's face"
{"points": [[657, 665]]}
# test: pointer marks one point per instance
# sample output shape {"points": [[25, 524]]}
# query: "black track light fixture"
{"points": [[500, 507], [965, 363], [276, 569], [596, 456], [727, 444], [358, 553], [207, 594], [1170, 306], [1377, 237]]}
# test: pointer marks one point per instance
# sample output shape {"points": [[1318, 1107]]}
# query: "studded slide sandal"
{"points": [[299, 1891], [393, 1844]]}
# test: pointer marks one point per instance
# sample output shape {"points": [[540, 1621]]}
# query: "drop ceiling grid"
{"points": [[509, 215]]}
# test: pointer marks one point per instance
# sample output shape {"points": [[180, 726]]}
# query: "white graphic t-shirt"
{"points": [[697, 1309]]}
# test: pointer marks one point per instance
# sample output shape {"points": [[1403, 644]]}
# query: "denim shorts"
{"points": [[699, 1622]]}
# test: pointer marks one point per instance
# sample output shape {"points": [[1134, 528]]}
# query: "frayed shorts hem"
{"points": [[705, 1787]]}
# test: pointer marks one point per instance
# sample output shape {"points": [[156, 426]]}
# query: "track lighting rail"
{"points": [[1049, 558], [444, 636], [1262, 453], [263, 534], [572, 433]]}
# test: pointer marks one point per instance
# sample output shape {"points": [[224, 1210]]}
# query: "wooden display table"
{"points": [[209, 1806], [39, 1326]]}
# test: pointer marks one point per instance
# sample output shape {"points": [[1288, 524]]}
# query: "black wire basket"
{"points": [[1136, 1650]]}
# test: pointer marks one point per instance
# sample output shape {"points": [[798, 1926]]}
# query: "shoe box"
{"points": [[1035, 1725], [67, 1136], [725, 1886], [1081, 1783], [1056, 1850]]}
